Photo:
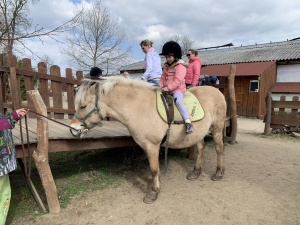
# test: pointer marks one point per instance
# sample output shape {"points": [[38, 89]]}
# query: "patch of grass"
{"points": [[79, 172], [74, 173]]}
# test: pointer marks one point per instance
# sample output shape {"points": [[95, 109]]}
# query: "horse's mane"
{"points": [[106, 85]]}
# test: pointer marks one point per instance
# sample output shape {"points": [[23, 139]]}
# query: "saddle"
{"points": [[169, 112]]}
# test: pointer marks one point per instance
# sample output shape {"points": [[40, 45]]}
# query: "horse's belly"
{"points": [[184, 141]]}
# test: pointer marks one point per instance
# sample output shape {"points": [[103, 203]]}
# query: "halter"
{"points": [[95, 109]]}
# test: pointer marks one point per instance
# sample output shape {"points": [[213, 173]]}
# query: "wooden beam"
{"points": [[40, 156], [233, 109], [268, 114]]}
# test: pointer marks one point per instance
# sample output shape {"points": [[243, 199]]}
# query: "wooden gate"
{"points": [[287, 115]]}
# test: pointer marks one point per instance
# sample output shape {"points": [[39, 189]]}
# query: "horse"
{"points": [[133, 103]]}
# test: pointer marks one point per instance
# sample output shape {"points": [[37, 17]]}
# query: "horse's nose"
{"points": [[75, 133]]}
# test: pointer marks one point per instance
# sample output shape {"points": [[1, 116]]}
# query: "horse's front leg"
{"points": [[193, 175], [154, 188]]}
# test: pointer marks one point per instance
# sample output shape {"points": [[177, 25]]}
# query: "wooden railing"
{"points": [[287, 115], [57, 98], [52, 87]]}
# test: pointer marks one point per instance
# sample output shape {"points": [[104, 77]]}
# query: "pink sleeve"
{"points": [[5, 123], [196, 72]]}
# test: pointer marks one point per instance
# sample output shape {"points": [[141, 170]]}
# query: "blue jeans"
{"points": [[154, 81]]}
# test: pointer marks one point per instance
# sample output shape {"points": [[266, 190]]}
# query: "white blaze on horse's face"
{"points": [[85, 117]]}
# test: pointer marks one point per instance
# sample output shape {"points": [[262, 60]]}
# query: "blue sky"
{"points": [[207, 23]]}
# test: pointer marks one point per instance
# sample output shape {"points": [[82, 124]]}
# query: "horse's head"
{"points": [[88, 112]]}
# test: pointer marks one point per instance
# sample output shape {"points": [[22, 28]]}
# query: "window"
{"points": [[254, 86]]}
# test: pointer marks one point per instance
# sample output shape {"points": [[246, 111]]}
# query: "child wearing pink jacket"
{"points": [[173, 79]]}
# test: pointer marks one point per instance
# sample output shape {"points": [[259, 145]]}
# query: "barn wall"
{"points": [[267, 81], [247, 102]]}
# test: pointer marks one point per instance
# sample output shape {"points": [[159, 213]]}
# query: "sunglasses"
{"points": [[188, 55]]}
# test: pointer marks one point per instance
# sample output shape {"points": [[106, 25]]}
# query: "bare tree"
{"points": [[96, 40], [15, 26], [185, 42]]}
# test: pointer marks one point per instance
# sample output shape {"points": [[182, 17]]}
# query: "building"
{"points": [[260, 68]]}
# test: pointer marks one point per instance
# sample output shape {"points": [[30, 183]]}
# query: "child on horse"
{"points": [[173, 79]]}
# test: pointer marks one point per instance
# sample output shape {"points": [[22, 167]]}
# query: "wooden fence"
{"points": [[52, 87], [23, 79], [287, 115]]}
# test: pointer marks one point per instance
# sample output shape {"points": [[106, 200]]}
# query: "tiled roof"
{"points": [[286, 88], [242, 69], [277, 51]]}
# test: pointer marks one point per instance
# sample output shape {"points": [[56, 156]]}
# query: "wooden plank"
{"points": [[29, 84], [281, 110], [277, 119], [57, 91], [14, 88], [70, 92], [43, 84], [58, 131], [294, 112], [31, 133], [81, 144], [286, 104]]}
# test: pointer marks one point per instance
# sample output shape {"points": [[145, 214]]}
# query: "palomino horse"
{"points": [[133, 103]]}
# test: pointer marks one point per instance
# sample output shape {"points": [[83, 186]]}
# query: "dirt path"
{"points": [[261, 186]]}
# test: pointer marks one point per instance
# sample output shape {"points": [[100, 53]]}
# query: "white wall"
{"points": [[288, 73]]}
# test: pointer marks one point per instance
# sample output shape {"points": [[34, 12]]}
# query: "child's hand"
{"points": [[21, 112]]}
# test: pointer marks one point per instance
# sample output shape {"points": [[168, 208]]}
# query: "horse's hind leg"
{"points": [[219, 146], [198, 166], [153, 158]]}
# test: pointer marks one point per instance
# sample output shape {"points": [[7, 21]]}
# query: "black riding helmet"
{"points": [[172, 48]]}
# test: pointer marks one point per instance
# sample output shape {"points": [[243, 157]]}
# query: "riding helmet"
{"points": [[95, 73], [172, 48]]}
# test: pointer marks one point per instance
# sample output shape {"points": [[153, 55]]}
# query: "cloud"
{"points": [[207, 23]]}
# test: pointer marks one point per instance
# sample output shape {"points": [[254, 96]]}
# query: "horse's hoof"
{"points": [[217, 176], [150, 197], [194, 174]]}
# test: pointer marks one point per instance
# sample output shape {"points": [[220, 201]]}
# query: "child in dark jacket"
{"points": [[8, 161]]}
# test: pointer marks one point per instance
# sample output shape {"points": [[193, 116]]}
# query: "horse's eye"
{"points": [[83, 107]]}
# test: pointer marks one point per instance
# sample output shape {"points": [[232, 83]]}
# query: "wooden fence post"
{"points": [[268, 114], [41, 155], [70, 91], [29, 84], [232, 100], [57, 91]]}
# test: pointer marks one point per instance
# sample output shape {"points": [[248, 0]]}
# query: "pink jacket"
{"points": [[172, 78], [193, 71]]}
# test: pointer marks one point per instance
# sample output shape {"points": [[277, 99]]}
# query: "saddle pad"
{"points": [[192, 104]]}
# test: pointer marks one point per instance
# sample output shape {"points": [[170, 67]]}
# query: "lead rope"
{"points": [[55, 121], [27, 165]]}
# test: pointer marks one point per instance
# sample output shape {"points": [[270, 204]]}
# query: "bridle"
{"points": [[95, 109]]}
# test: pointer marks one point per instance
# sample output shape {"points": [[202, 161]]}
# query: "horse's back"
{"points": [[211, 99]]}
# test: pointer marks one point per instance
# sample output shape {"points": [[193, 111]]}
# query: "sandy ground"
{"points": [[261, 186]]}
